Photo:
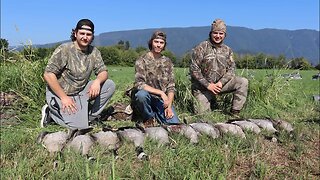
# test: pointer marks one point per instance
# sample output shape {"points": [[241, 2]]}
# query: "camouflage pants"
{"points": [[237, 85]]}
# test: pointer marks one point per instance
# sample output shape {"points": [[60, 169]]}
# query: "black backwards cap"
{"points": [[85, 22]]}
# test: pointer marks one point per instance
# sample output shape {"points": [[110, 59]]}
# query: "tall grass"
{"points": [[271, 95], [184, 100], [24, 78]]}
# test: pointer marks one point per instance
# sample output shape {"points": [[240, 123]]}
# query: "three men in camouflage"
{"points": [[212, 72], [72, 98], [70, 94], [154, 81]]}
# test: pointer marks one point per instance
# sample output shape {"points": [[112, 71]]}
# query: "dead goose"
{"points": [[282, 125], [265, 124], [184, 129], [246, 125], [230, 128], [136, 136], [82, 144], [109, 140], [53, 142], [205, 128], [158, 134]]}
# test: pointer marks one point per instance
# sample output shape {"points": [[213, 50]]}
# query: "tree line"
{"points": [[122, 54]]}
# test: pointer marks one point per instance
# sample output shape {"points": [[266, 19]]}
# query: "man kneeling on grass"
{"points": [[212, 72], [72, 99], [154, 83]]}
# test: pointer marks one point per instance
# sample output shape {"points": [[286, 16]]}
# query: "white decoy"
{"points": [[265, 124], [158, 134], [108, 140], [247, 125], [183, 129], [205, 128], [53, 142], [230, 128]]}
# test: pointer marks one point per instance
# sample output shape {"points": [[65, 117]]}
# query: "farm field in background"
{"points": [[124, 76], [228, 157]]}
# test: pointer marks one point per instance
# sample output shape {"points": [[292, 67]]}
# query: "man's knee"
{"points": [[141, 95], [242, 82], [109, 86]]}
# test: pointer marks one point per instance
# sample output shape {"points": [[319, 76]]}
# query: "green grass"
{"points": [[228, 157]]}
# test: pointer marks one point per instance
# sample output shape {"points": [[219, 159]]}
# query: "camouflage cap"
{"points": [[159, 35], [218, 25]]}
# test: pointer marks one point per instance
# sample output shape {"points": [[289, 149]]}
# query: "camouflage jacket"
{"points": [[157, 73], [74, 67], [210, 64]]}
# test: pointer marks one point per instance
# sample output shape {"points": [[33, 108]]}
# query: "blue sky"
{"points": [[47, 21]]}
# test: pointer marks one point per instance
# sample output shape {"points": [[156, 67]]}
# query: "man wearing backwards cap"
{"points": [[212, 72], [70, 94], [154, 83]]}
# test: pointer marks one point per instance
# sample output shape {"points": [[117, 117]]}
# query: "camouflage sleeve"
{"points": [[140, 77], [230, 70], [99, 65], [171, 85], [195, 70], [56, 62]]}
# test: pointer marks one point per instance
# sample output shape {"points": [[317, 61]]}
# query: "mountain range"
{"points": [[290, 43]]}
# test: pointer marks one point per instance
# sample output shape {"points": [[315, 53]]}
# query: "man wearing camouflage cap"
{"points": [[212, 72], [154, 83]]}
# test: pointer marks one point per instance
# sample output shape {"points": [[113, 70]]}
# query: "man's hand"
{"points": [[215, 88], [68, 105], [168, 113], [94, 89]]}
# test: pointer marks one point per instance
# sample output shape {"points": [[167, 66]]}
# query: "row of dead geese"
{"points": [[112, 139]]}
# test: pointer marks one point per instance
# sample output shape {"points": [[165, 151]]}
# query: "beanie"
{"points": [[218, 25]]}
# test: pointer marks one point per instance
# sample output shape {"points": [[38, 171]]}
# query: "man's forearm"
{"points": [[171, 98], [102, 76], [53, 83]]}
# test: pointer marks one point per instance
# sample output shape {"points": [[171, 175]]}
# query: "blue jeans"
{"points": [[152, 107]]}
